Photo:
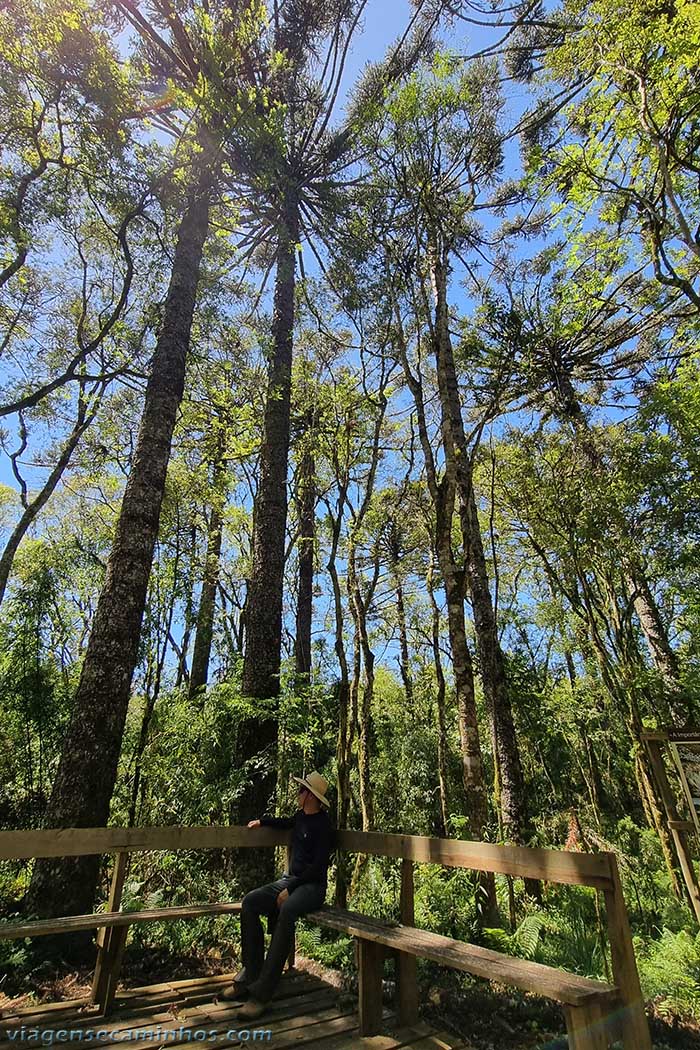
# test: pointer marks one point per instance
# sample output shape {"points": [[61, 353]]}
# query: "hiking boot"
{"points": [[251, 1011]]}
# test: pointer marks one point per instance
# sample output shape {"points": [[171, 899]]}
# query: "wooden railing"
{"points": [[598, 871]]}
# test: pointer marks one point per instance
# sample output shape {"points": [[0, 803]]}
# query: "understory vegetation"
{"points": [[350, 402]]}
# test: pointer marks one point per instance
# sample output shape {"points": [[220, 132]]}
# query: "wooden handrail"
{"points": [[581, 869], [80, 842]]}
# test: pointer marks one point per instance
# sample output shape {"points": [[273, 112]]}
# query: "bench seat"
{"points": [[547, 981], [99, 919]]}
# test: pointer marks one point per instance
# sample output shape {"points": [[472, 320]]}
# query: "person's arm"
{"points": [[286, 823], [317, 869]]}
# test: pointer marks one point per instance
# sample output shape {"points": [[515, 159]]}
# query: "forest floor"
{"points": [[489, 1018]]}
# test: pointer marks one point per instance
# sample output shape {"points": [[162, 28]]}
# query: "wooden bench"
{"points": [[587, 1003], [595, 1012]]}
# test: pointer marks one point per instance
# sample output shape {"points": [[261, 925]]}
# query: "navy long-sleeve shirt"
{"points": [[312, 842]]}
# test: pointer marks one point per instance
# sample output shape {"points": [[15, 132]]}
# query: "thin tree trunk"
{"points": [[345, 721], [638, 589], [88, 765], [654, 630], [492, 664], [404, 659], [306, 499], [31, 511], [359, 604], [201, 655], [443, 498], [440, 701]]}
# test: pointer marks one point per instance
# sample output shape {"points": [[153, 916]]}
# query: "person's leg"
{"points": [[305, 898], [261, 901]]}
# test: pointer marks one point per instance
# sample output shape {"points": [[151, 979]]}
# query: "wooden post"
{"points": [[291, 958], [105, 935], [676, 826], [634, 1025], [113, 968], [407, 965], [585, 1027], [371, 965]]}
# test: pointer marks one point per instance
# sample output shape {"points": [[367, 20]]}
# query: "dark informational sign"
{"points": [[685, 747]]}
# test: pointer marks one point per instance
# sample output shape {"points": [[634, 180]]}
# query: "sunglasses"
{"points": [[302, 791]]}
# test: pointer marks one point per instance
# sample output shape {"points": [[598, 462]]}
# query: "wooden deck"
{"points": [[306, 1011]]}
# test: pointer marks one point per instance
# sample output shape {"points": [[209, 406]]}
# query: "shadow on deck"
{"points": [[306, 1011]]}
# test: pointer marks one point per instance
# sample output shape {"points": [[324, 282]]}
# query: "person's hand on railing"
{"points": [[253, 823]]}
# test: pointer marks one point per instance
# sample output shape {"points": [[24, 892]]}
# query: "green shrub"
{"points": [[669, 970]]}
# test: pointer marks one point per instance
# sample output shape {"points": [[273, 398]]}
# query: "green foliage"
{"points": [[669, 970]]}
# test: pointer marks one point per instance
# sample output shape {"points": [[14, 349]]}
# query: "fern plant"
{"points": [[669, 970]]}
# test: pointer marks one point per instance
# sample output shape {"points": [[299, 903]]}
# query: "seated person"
{"points": [[301, 890]]}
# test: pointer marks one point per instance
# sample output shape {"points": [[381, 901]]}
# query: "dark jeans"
{"points": [[261, 976]]}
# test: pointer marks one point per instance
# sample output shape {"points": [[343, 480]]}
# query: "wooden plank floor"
{"points": [[306, 1012]]}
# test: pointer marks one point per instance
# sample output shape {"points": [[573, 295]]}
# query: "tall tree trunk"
{"points": [[394, 563], [261, 664], [458, 464], [201, 655], [440, 703], [346, 723], [257, 737], [306, 500], [88, 765], [359, 604], [152, 692], [654, 630], [443, 497]]}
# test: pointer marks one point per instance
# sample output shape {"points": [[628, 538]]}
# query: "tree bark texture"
{"points": [[261, 665], [257, 738], [88, 765], [345, 719], [443, 497], [662, 654], [458, 465], [442, 747], [306, 501], [359, 604], [394, 545], [201, 655]]}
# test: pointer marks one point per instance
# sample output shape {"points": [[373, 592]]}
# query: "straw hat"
{"points": [[316, 784]]}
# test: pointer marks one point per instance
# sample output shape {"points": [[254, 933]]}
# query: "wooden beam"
{"points": [[76, 923], [682, 825], [678, 834], [407, 965], [77, 842], [585, 1027], [104, 933], [534, 977], [117, 943], [370, 967], [580, 869], [635, 1027]]}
